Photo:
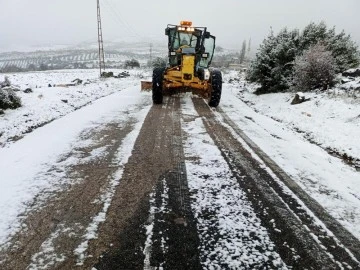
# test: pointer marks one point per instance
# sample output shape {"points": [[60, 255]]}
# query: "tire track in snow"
{"points": [[288, 228], [168, 230], [231, 234], [174, 241], [325, 229], [52, 232]]}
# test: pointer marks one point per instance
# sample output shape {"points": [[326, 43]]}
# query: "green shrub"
{"points": [[131, 63], [9, 99], [273, 66]]}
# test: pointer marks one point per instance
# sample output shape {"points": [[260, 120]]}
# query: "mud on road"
{"points": [[158, 214]]}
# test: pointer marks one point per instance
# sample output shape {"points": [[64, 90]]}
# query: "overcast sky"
{"points": [[25, 23]]}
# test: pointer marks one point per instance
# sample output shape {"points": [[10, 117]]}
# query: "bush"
{"points": [[314, 69], [132, 63], [159, 62], [5, 83], [273, 66], [9, 99], [342, 48]]}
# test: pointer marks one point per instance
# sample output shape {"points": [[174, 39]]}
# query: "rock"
{"points": [[352, 73], [107, 74], [123, 74], [49, 85], [1, 112], [64, 100], [307, 114], [234, 80], [299, 98], [64, 85], [77, 81], [346, 80], [28, 90]]}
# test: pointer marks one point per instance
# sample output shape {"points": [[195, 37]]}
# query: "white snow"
{"points": [[272, 123], [149, 227], [294, 136], [220, 205], [123, 154], [48, 103], [23, 164], [47, 251]]}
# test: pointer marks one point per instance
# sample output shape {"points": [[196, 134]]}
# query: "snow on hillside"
{"points": [[48, 103], [84, 55]]}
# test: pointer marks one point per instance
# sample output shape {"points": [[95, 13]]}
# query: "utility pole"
{"points": [[151, 54], [100, 41]]}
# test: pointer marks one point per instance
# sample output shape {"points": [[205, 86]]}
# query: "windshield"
{"points": [[183, 38], [199, 40]]}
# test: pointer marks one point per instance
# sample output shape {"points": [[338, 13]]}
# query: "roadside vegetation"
{"points": [[8, 98], [302, 60]]}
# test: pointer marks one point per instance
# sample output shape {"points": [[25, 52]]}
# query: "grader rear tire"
{"points": [[216, 85]]}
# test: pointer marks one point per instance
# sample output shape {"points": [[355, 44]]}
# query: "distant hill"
{"points": [[84, 55]]}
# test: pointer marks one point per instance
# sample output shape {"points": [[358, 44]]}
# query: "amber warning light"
{"points": [[186, 23]]}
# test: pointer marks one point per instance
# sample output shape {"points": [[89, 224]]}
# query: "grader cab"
{"points": [[190, 51]]}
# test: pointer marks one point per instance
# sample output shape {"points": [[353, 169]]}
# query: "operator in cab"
{"points": [[183, 44]]}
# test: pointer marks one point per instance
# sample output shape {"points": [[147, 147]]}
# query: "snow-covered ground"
{"points": [[297, 137], [219, 193], [282, 130], [45, 103], [23, 163]]}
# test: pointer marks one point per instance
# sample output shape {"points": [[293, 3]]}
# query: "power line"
{"points": [[113, 10], [118, 14], [115, 14]]}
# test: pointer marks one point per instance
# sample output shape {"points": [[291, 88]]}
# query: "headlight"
{"points": [[172, 53], [206, 74]]}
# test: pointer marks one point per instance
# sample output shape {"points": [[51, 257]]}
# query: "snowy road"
{"points": [[123, 184]]}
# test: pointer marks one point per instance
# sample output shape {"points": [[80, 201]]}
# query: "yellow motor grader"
{"points": [[191, 50]]}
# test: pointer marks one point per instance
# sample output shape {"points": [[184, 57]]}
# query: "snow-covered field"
{"points": [[48, 103], [294, 136]]}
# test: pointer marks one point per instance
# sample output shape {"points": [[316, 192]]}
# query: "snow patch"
{"points": [[283, 132], [230, 233], [123, 154]]}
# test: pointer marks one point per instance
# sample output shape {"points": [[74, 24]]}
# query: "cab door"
{"points": [[206, 57]]}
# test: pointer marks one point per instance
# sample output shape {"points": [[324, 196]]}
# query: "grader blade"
{"points": [[146, 86]]}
